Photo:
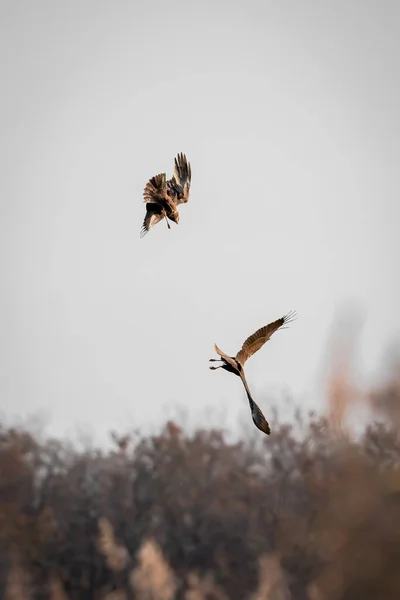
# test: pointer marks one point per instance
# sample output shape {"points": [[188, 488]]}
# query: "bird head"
{"points": [[174, 217]]}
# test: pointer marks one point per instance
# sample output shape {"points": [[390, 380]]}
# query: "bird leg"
{"points": [[215, 360], [168, 225]]}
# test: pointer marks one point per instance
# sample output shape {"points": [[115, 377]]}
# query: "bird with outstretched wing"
{"points": [[235, 364], [163, 196]]}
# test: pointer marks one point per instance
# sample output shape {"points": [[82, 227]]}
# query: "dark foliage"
{"points": [[324, 506]]}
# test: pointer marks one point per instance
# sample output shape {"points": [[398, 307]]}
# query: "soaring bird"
{"points": [[162, 196], [235, 364]]}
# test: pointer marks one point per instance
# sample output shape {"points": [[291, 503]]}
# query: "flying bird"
{"points": [[162, 196], [235, 364]]}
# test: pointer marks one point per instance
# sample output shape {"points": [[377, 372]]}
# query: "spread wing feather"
{"points": [[255, 341], [262, 422], [181, 179], [155, 188], [222, 354]]}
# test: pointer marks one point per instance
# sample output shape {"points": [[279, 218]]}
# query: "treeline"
{"points": [[306, 513]]}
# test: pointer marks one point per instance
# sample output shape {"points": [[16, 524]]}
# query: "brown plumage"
{"points": [[162, 196], [235, 364]]}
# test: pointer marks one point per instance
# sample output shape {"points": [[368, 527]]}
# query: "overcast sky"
{"points": [[289, 114]]}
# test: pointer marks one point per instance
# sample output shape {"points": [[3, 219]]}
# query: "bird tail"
{"points": [[155, 187]]}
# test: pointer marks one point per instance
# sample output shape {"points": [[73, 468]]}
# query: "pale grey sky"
{"points": [[288, 112]]}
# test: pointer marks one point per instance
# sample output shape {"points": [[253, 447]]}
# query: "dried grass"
{"points": [[286, 518], [153, 579], [116, 595], [272, 581], [18, 582], [116, 556], [57, 591], [201, 588]]}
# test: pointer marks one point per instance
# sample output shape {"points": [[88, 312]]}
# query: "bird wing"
{"points": [[222, 354], [155, 189], [246, 386], [154, 214], [262, 422], [181, 179], [255, 341]]}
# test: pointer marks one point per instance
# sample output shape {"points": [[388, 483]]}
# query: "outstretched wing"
{"points": [[155, 189], [258, 418], [222, 354], [181, 179], [262, 335], [154, 214]]}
